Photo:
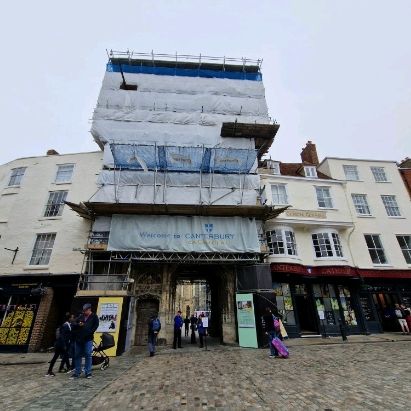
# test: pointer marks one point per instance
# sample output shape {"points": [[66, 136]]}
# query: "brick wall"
{"points": [[406, 176], [42, 317], [309, 154]]}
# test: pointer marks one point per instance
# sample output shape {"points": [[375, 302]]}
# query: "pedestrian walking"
{"points": [[270, 330], [201, 330], [154, 327], [86, 325], [400, 314], [186, 326], [178, 323], [193, 326], [61, 347]]}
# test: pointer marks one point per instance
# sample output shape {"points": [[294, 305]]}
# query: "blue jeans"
{"points": [[152, 339], [83, 349], [273, 350]]}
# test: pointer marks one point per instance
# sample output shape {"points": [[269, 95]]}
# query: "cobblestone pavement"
{"points": [[359, 376]]}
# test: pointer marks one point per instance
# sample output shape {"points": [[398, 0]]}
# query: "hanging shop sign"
{"points": [[183, 234]]}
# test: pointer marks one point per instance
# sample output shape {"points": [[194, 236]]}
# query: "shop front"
{"points": [[321, 300], [383, 290], [31, 308], [317, 301]]}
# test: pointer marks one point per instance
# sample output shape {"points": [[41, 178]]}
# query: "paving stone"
{"points": [[316, 377]]}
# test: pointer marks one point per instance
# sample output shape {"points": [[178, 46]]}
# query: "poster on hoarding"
{"points": [[107, 316], [245, 314]]}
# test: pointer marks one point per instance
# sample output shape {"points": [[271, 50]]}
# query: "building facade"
{"points": [[340, 253], [39, 270], [179, 194], [380, 242]]}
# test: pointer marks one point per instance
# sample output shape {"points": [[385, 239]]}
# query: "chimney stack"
{"points": [[52, 152], [309, 154]]}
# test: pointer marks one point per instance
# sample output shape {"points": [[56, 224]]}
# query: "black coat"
{"points": [[63, 341], [85, 332]]}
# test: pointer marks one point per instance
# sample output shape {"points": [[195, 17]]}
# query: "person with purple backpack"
{"points": [[270, 330]]}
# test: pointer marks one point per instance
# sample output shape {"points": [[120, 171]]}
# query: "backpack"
{"points": [[57, 333], [156, 325]]}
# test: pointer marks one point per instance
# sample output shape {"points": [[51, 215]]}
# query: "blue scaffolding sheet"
{"points": [[185, 159]]}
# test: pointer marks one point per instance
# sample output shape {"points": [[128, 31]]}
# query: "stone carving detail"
{"points": [[147, 282]]}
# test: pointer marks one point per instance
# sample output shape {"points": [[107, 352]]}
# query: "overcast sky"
{"points": [[335, 72]]}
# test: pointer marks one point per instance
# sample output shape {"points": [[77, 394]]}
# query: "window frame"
{"points": [[16, 176], [56, 181], [289, 243], [334, 244], [406, 251], [346, 172], [393, 206], [50, 205], [284, 186], [381, 248], [321, 188], [41, 260], [310, 171], [357, 206], [376, 172]]}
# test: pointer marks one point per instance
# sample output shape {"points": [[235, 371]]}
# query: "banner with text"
{"points": [[183, 234]]}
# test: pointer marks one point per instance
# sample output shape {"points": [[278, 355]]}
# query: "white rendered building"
{"points": [[39, 268]]}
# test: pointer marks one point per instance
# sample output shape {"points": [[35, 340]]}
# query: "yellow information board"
{"points": [[109, 315]]}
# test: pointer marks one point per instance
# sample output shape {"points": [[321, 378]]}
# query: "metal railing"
{"points": [[183, 58]]}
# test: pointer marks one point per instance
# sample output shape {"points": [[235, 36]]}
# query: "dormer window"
{"points": [[274, 166], [310, 171]]}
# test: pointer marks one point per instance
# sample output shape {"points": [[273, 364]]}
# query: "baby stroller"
{"points": [[99, 357]]}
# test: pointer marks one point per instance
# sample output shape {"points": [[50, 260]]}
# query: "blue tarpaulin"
{"points": [[187, 159], [168, 71]]}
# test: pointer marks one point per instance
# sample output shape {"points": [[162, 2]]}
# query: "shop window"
{"points": [[284, 302], [324, 197], [326, 303], [391, 206], [361, 204], [16, 176], [281, 241], [351, 172], [327, 245], [42, 249], [17, 314], [64, 173], [379, 174], [346, 305], [55, 203], [375, 249], [405, 243]]}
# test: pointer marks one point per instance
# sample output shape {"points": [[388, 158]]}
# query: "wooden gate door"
{"points": [[145, 309]]}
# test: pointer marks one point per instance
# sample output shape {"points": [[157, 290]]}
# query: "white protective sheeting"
{"points": [[183, 234], [137, 187], [173, 110], [186, 85]]}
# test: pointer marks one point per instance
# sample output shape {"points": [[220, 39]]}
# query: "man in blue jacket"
{"points": [[178, 323], [83, 333]]}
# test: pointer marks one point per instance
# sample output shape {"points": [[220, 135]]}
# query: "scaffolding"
{"points": [[198, 60], [110, 270]]}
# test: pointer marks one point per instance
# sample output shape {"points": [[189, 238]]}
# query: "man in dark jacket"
{"points": [[154, 327], [178, 323], [86, 325]]}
